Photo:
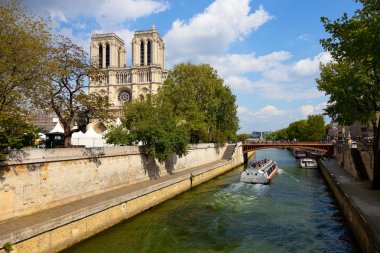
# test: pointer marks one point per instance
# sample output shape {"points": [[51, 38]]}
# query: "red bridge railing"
{"points": [[314, 146]]}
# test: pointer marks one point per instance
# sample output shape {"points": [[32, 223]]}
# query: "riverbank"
{"points": [[359, 204], [58, 227]]}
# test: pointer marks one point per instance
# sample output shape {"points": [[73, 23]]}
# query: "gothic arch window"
{"points": [[149, 52], [124, 96], [100, 56], [142, 53], [107, 55]]}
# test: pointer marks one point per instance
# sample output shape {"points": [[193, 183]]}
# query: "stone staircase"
{"points": [[228, 153], [359, 164]]}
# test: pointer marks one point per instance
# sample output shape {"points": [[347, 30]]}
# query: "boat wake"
{"points": [[238, 196]]}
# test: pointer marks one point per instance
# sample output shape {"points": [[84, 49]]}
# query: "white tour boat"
{"points": [[260, 172], [308, 163]]}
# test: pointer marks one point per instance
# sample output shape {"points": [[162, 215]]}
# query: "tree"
{"points": [[15, 132], [353, 80], [242, 137], [202, 102], [192, 106], [24, 46], [63, 90], [153, 124], [312, 129], [316, 128], [297, 130]]}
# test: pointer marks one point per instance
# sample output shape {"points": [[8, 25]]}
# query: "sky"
{"points": [[267, 51]]}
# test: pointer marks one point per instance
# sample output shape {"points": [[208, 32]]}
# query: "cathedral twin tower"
{"points": [[123, 84]]}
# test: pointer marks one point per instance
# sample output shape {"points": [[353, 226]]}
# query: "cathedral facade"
{"points": [[123, 84]]}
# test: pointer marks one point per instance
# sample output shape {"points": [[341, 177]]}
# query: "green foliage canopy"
{"points": [[312, 129], [200, 98], [155, 126], [24, 46], [352, 81]]}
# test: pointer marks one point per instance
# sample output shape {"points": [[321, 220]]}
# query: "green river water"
{"points": [[294, 213]]}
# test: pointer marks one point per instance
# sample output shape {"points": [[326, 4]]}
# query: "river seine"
{"points": [[294, 213]]}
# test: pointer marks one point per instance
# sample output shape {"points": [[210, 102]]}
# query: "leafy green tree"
{"points": [[154, 125], [15, 132], [316, 128], [297, 130], [352, 81], [202, 102], [278, 135], [64, 88], [312, 129], [25, 42], [242, 137]]}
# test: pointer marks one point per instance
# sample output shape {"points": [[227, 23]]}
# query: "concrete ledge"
{"points": [[362, 216]]}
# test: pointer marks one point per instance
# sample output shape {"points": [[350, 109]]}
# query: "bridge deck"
{"points": [[316, 146]]}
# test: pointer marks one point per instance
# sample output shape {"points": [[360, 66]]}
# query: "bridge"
{"points": [[322, 147]]}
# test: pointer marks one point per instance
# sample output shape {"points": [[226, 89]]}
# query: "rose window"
{"points": [[124, 96]]}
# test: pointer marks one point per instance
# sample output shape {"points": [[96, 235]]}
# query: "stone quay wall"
{"points": [[61, 232], [34, 180], [354, 217], [342, 154]]}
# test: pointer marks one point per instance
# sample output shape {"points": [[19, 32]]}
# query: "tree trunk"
{"points": [[67, 141], [376, 157]]}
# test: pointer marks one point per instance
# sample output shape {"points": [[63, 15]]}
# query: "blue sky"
{"points": [[267, 51]]}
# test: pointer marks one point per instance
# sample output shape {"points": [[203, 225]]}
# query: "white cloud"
{"points": [[307, 109], [262, 119], [236, 64], [211, 32], [309, 67], [312, 109], [272, 76], [121, 10], [239, 83], [268, 112], [108, 10], [305, 37]]}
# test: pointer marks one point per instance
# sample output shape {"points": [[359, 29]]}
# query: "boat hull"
{"points": [[261, 175], [308, 163]]}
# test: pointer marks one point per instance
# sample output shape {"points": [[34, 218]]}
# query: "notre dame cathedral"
{"points": [[121, 83]]}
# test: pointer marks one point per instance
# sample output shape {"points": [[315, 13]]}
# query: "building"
{"points": [[121, 83], [43, 119]]}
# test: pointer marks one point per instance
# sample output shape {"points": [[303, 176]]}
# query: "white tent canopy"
{"points": [[89, 139], [57, 129]]}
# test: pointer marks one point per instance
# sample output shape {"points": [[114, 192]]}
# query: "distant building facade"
{"points": [[43, 119], [121, 83]]}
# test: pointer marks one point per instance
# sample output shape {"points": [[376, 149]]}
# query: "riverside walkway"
{"points": [[22, 228], [360, 204]]}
